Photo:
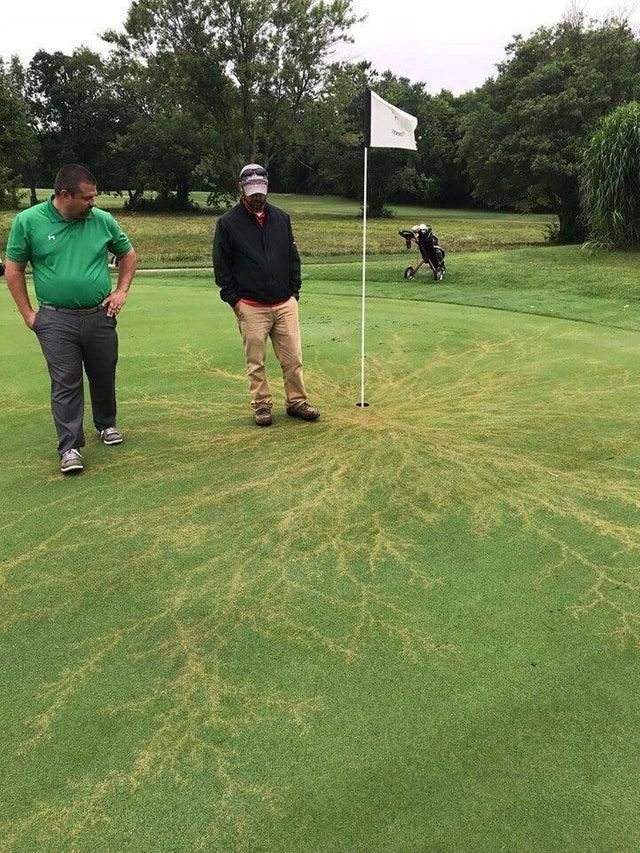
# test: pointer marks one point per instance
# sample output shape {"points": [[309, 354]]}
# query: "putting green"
{"points": [[409, 628]]}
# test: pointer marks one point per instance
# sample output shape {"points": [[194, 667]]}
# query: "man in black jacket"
{"points": [[257, 267]]}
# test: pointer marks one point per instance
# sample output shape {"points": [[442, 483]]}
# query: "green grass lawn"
{"points": [[409, 628], [323, 227]]}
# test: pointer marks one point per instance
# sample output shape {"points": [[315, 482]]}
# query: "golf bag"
{"points": [[1, 268], [431, 253]]}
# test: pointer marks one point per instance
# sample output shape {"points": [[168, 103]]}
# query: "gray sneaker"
{"points": [[110, 436], [71, 462]]}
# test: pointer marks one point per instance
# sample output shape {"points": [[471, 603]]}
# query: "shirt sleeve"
{"points": [[119, 244], [18, 244]]}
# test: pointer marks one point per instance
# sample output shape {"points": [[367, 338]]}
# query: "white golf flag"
{"points": [[388, 127]]}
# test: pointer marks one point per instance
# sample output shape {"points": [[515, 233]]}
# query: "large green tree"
{"points": [[185, 134], [77, 106], [329, 159], [527, 128], [431, 176], [162, 153], [247, 66], [18, 145]]}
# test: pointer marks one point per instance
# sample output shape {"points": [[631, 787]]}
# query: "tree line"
{"points": [[189, 90]]}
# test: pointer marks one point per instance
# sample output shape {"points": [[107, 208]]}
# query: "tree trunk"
{"points": [[248, 124], [376, 208], [182, 193], [572, 229], [134, 196]]}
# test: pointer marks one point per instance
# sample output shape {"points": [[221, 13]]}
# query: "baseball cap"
{"points": [[254, 179]]}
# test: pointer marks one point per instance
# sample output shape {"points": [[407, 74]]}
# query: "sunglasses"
{"points": [[250, 173]]}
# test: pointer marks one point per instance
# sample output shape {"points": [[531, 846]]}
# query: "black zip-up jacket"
{"points": [[253, 261]]}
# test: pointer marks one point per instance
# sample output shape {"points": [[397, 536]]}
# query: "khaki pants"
{"points": [[281, 325]]}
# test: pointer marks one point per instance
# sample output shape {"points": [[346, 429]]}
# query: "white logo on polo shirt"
{"points": [[51, 237]]}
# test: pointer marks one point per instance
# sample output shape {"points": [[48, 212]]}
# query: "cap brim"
{"points": [[255, 185]]}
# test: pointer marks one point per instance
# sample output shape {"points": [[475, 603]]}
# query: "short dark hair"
{"points": [[70, 177]]}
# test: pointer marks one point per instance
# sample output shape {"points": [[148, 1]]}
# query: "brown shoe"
{"points": [[263, 416], [304, 411]]}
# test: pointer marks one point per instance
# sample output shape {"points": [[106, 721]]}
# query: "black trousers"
{"points": [[70, 340]]}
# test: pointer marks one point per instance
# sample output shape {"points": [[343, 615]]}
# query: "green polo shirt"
{"points": [[69, 257]]}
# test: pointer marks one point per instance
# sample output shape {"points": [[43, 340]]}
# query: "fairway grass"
{"points": [[409, 628]]}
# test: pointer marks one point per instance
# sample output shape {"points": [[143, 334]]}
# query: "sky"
{"points": [[447, 44]]}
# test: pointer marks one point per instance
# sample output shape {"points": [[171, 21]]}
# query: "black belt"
{"points": [[93, 310]]}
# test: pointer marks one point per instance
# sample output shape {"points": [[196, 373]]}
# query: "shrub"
{"points": [[610, 180]]}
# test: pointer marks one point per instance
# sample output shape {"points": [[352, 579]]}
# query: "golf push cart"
{"points": [[429, 250]]}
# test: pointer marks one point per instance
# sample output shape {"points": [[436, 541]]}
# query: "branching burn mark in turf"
{"points": [[326, 546]]}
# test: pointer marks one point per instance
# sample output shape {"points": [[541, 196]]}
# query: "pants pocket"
{"points": [[110, 321]]}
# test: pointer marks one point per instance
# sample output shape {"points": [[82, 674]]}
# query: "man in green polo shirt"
{"points": [[67, 240]]}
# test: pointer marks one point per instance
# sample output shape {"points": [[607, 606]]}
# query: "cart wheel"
{"points": [[409, 273]]}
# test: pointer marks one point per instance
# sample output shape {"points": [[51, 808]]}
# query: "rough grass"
{"points": [[410, 628], [323, 227]]}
